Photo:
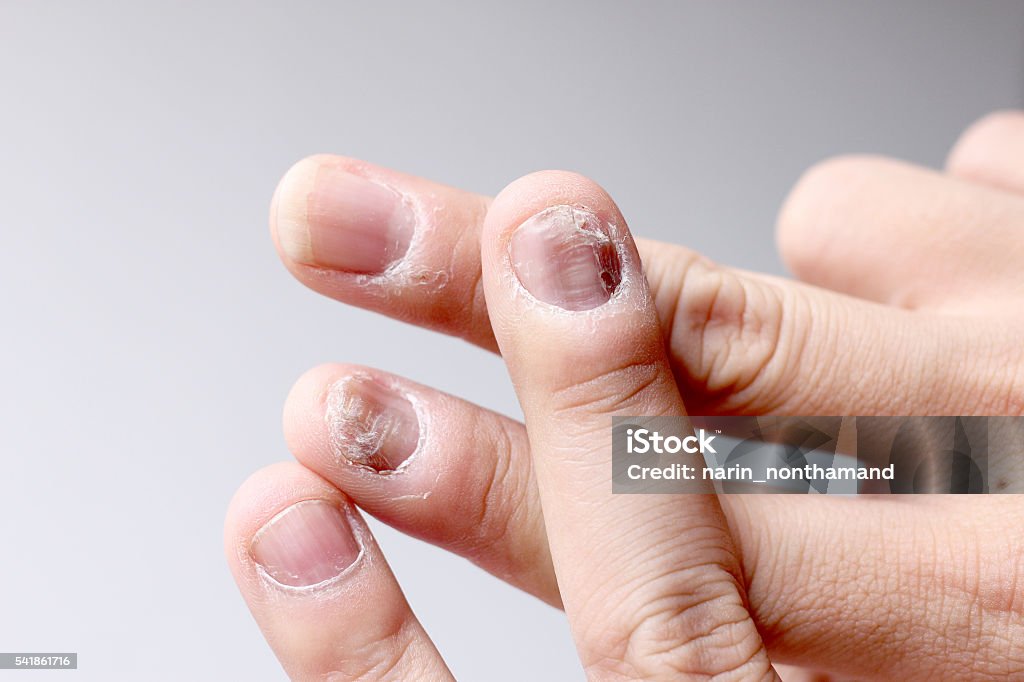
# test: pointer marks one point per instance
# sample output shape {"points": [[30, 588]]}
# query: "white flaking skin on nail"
{"points": [[357, 439]]}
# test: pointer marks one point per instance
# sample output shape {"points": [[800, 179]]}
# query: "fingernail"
{"points": [[370, 424], [565, 256], [308, 543], [347, 222]]}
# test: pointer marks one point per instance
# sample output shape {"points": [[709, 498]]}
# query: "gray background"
{"points": [[150, 335]]}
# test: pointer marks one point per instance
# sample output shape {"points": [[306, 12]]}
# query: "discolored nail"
{"points": [[343, 221], [370, 424], [565, 256], [306, 544]]}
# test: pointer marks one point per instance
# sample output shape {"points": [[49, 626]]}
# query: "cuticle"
{"points": [[415, 208]]}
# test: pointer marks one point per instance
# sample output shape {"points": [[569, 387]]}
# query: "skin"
{"points": [[908, 280]]}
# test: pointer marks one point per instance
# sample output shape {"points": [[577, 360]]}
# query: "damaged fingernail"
{"points": [[370, 424], [344, 222], [308, 543], [565, 256]]}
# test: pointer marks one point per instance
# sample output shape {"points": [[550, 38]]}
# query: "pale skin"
{"points": [[908, 299]]}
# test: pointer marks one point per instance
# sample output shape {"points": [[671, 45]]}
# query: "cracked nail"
{"points": [[370, 424], [565, 256]]}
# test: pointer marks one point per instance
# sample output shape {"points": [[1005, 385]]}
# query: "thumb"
{"points": [[650, 582]]}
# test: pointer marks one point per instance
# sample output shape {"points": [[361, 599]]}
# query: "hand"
{"points": [[819, 597]]}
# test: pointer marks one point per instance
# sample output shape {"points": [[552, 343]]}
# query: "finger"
{"points": [[318, 586], [739, 343], [650, 583], [902, 235], [467, 487], [385, 241], [991, 152], [431, 465], [927, 587]]}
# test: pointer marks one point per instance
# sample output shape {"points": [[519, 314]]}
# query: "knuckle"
{"points": [[1013, 600], [995, 377], [988, 625], [636, 382], [498, 498], [1005, 609], [390, 657], [465, 263], [682, 638], [732, 336]]}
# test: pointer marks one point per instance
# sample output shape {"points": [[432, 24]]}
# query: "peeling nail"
{"points": [[370, 424], [565, 256]]}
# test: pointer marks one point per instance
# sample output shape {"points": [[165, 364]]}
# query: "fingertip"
{"points": [[263, 495], [985, 131], [814, 214], [289, 227], [980, 152], [304, 406], [316, 583]]}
